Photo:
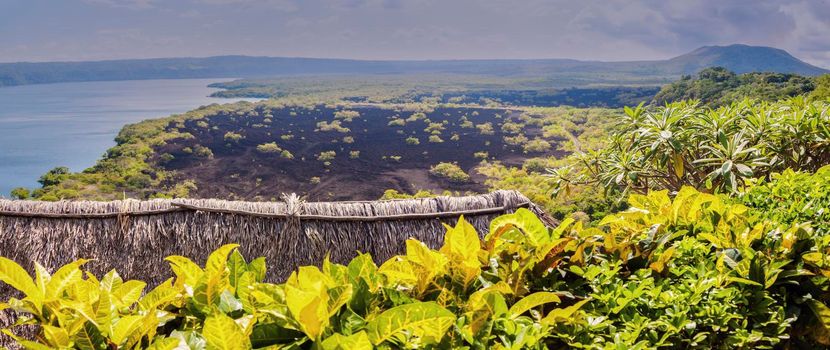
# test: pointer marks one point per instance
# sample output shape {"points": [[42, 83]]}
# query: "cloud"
{"points": [[418, 29], [129, 4]]}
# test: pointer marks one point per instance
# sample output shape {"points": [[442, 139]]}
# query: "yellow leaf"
{"points": [[125, 327], [222, 333], [14, 275], [531, 301], [426, 321], [65, 276], [560, 315], [664, 258], [461, 248], [357, 341]]}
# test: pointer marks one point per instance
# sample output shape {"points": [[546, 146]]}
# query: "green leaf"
{"points": [[357, 341], [89, 338], [14, 275], [257, 266], [164, 344], [222, 333], [56, 336], [65, 276], [559, 315], [125, 327], [236, 266], [129, 292], [158, 297], [185, 269], [531, 301], [268, 334], [426, 320]]}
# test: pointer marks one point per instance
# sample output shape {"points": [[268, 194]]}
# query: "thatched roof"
{"points": [[134, 236]]}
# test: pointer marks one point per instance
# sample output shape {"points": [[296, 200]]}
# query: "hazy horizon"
{"points": [[84, 30]]}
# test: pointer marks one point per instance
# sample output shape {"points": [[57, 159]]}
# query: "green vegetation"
{"points": [[397, 122], [718, 86], [413, 141], [270, 147], [696, 271], [233, 137], [449, 171], [326, 156], [332, 126], [822, 90], [709, 149], [435, 139]]}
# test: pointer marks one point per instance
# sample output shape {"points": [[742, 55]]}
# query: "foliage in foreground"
{"points": [[713, 150], [698, 271]]}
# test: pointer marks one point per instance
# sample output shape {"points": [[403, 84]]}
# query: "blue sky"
{"points": [[609, 30]]}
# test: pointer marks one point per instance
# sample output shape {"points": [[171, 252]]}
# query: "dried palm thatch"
{"points": [[135, 236]]}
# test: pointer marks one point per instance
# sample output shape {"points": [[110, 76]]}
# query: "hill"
{"points": [[564, 72], [742, 59]]}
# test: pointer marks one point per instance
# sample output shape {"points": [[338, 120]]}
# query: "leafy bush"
{"points": [[233, 137], [717, 150], [270, 147], [412, 141], [792, 197], [449, 171], [326, 156], [693, 272]]}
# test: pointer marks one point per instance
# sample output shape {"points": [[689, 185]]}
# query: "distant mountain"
{"points": [[742, 59], [738, 58]]}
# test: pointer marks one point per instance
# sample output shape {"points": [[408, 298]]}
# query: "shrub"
{"points": [[537, 145], [435, 139], [233, 137], [517, 140], [486, 128], [434, 128], [348, 139], [397, 122], [270, 147], [413, 141], [450, 171], [333, 126], [21, 193], [202, 151], [326, 156], [511, 128], [682, 144], [314, 180], [354, 154], [287, 137], [481, 155], [416, 117], [346, 115], [286, 154]]}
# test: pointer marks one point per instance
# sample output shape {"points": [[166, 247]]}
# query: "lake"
{"points": [[72, 124]]}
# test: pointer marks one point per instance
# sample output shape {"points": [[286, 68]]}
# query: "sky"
{"points": [[606, 30]]}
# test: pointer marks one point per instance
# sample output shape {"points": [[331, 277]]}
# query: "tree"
{"points": [[54, 176], [822, 90], [21, 193]]}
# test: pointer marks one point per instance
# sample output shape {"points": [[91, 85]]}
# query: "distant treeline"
{"points": [[718, 86]]}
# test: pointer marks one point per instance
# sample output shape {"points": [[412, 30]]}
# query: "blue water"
{"points": [[72, 124]]}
